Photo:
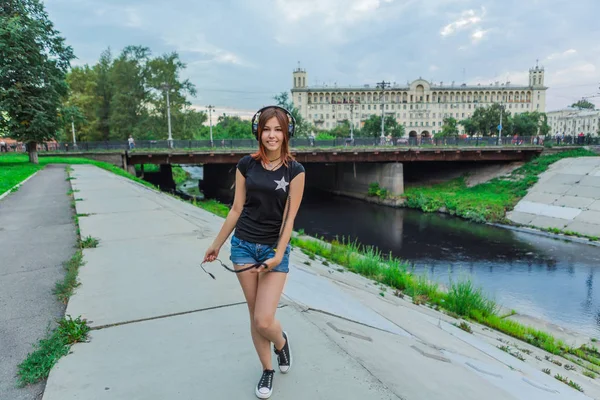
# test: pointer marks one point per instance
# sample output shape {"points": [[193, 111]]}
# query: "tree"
{"points": [[487, 119], [449, 129], [104, 93], [530, 124], [583, 104], [341, 130], [82, 104], [302, 126], [33, 63], [469, 126], [372, 127]]}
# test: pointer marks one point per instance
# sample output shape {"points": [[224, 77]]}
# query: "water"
{"points": [[542, 277]]}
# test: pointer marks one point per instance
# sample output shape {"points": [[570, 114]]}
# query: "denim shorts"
{"points": [[243, 252]]}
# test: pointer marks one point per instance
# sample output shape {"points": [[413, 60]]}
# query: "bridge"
{"points": [[347, 170]]}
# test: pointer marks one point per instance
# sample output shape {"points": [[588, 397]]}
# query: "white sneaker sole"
{"points": [[262, 395], [291, 357]]}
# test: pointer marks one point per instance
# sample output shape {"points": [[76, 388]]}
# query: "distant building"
{"points": [[573, 121], [420, 106]]}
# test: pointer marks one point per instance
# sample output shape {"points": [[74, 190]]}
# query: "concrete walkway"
{"points": [[566, 197], [165, 330], [37, 235]]}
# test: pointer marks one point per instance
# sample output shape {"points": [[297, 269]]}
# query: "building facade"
{"points": [[420, 106], [573, 121]]}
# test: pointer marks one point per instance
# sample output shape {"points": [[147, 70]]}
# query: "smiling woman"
{"points": [[268, 193]]}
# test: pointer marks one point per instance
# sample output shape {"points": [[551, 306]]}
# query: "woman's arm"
{"points": [[232, 217]]}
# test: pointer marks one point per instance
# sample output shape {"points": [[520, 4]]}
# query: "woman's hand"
{"points": [[271, 263], [211, 253]]}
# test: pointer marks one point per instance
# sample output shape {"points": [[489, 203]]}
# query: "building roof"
{"points": [[433, 87]]}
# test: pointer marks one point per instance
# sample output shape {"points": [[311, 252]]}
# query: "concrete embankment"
{"points": [[566, 198], [163, 329]]}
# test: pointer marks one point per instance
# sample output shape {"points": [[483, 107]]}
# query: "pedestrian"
{"points": [[3, 148], [131, 142], [311, 138], [268, 192]]}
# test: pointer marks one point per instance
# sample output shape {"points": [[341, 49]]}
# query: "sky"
{"points": [[240, 53]]}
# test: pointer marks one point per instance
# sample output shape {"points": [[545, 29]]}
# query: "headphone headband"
{"points": [[291, 119]]}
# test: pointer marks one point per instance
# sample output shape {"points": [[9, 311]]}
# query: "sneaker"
{"points": [[264, 389], [284, 356]]}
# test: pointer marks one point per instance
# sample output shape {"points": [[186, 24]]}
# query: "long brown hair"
{"points": [[282, 118]]}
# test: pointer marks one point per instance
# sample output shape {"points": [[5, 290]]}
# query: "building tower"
{"points": [[536, 76], [299, 78]]}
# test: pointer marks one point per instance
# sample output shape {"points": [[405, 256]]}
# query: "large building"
{"points": [[573, 121], [420, 106]]}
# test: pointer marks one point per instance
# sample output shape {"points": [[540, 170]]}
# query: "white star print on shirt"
{"points": [[281, 184]]}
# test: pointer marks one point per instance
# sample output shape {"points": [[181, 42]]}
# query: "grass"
{"points": [[47, 351], [486, 202], [65, 288], [12, 173], [89, 243]]}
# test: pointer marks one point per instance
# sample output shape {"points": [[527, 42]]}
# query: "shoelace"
{"points": [[266, 378], [282, 354]]}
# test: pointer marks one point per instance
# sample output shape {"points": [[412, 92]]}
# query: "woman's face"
{"points": [[272, 135]]}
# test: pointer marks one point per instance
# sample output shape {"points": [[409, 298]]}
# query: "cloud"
{"points": [[466, 19], [565, 53], [478, 34], [433, 68], [332, 11], [209, 52]]}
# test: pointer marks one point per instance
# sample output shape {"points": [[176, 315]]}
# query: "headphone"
{"points": [[291, 119]]}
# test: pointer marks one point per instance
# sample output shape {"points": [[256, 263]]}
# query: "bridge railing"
{"points": [[337, 142]]}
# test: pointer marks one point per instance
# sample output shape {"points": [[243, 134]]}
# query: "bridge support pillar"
{"points": [[219, 180], [353, 179]]}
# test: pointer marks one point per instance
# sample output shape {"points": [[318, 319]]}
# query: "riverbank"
{"points": [[488, 202]]}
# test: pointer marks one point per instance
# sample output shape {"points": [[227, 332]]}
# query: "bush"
{"points": [[376, 190]]}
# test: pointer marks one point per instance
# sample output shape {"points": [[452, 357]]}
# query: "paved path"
{"points": [[165, 330], [37, 235], [567, 197]]}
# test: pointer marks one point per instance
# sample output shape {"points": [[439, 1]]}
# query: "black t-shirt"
{"points": [[266, 194]]}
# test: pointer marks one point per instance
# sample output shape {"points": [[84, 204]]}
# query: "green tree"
{"points": [[341, 130], [302, 126], [82, 104], [486, 119], [469, 126], [104, 93], [232, 127], [372, 127], [583, 104], [449, 128], [33, 63]]}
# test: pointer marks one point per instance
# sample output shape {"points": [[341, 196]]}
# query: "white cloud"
{"points": [[211, 53], [433, 68], [565, 53], [331, 11], [478, 34], [466, 19], [134, 19]]}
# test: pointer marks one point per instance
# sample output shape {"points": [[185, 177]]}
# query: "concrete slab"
{"points": [[520, 217], [584, 228], [584, 191], [173, 281], [590, 217], [573, 202], [564, 179], [595, 206], [206, 355], [593, 181], [106, 205], [547, 210], [542, 221], [317, 293], [541, 197], [138, 225], [548, 188]]}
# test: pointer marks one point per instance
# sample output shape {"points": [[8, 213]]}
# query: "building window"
{"points": [[463, 115], [369, 106], [433, 131], [327, 116], [363, 106], [433, 115]]}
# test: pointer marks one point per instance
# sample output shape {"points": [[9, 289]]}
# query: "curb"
{"points": [[3, 195], [538, 232]]}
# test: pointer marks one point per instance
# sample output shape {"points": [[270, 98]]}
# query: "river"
{"points": [[546, 278]]}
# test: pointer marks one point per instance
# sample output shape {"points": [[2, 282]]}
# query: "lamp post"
{"points": [[73, 131], [210, 108], [166, 87], [382, 85]]}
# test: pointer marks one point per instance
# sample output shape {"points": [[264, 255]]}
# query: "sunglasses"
{"points": [[236, 271]]}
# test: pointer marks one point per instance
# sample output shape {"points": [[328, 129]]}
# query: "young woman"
{"points": [[268, 191]]}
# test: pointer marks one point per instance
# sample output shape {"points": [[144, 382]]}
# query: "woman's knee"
{"points": [[263, 322]]}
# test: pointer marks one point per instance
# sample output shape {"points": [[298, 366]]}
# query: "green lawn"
{"points": [[14, 168]]}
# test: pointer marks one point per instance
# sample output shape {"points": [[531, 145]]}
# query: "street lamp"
{"points": [[166, 87], [210, 108]]}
